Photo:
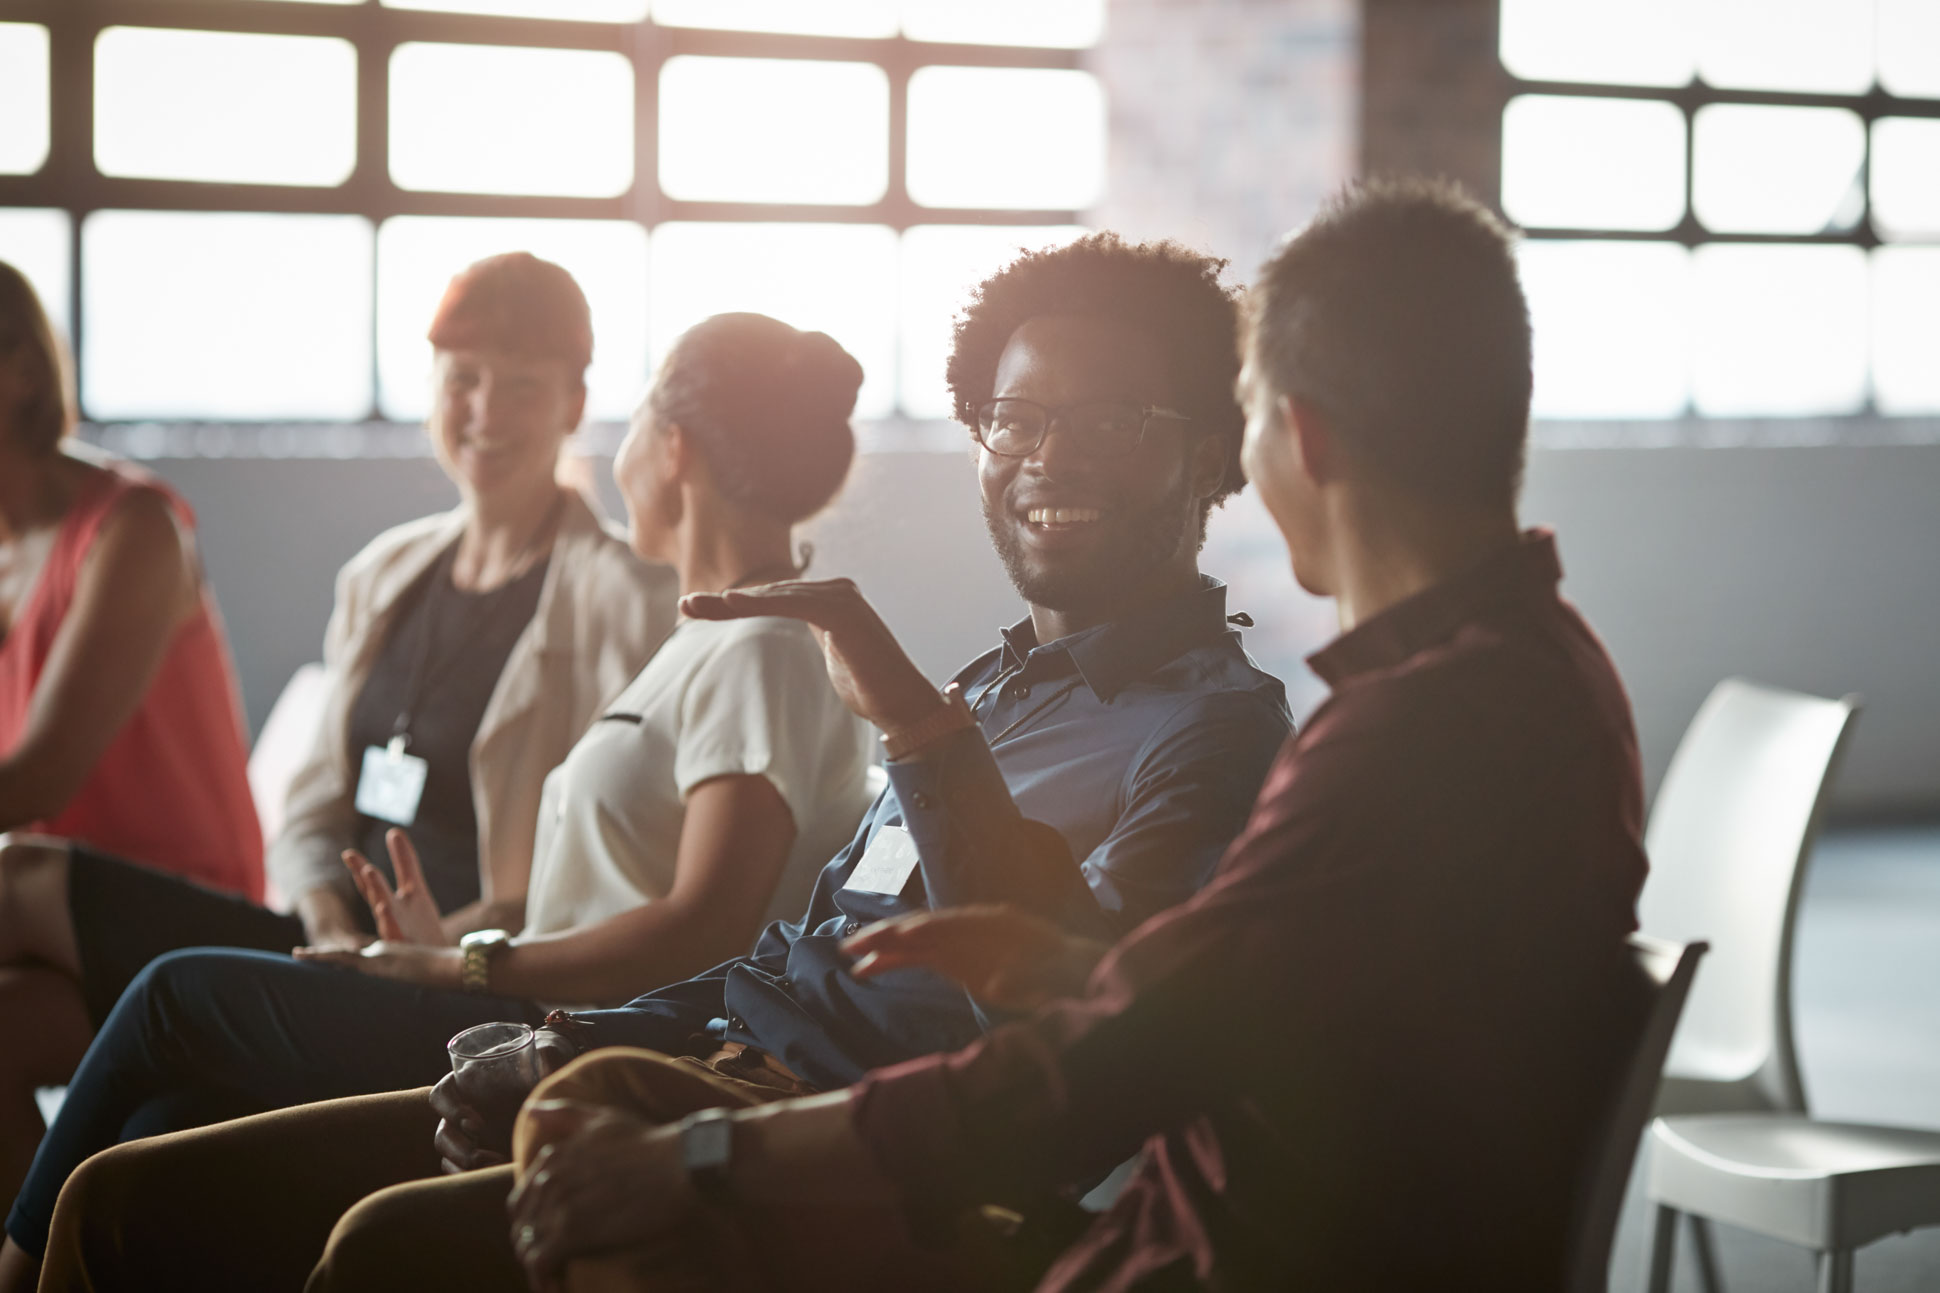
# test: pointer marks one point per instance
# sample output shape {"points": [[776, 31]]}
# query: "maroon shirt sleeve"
{"points": [[1413, 815]]}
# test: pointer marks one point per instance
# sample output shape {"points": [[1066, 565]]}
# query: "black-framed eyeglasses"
{"points": [[1012, 428]]}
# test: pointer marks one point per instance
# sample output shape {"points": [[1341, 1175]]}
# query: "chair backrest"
{"points": [[1664, 971], [288, 735], [1728, 839]]}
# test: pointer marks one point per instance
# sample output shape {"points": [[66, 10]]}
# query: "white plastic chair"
{"points": [[1728, 840], [1664, 971]]}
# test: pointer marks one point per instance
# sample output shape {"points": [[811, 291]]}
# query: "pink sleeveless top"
{"points": [[171, 790]]}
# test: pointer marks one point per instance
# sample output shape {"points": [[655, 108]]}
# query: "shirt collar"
{"points": [[1526, 569], [1113, 655]]}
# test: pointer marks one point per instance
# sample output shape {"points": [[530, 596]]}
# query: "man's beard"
{"points": [[1139, 543]]}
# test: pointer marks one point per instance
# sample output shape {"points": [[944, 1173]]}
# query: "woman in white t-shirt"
{"points": [[704, 799]]}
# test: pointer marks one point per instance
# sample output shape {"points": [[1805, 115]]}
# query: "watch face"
{"points": [[707, 1146]]}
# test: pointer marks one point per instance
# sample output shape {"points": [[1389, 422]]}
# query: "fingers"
{"points": [[884, 934], [457, 1144], [555, 1120], [404, 859], [821, 602]]}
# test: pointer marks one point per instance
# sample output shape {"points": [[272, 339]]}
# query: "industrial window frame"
{"points": [[69, 181]]}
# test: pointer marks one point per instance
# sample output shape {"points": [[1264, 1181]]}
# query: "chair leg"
{"points": [[1663, 1248], [1835, 1271], [1707, 1257]]}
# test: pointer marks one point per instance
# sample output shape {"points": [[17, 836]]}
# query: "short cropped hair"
{"points": [[47, 414], [1170, 289], [1397, 314]]}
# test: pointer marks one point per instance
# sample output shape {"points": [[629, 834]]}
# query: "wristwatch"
{"points": [[953, 715], [479, 947], [707, 1151]]}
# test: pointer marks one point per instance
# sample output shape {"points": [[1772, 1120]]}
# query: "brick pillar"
{"points": [[1432, 92], [1230, 119]]}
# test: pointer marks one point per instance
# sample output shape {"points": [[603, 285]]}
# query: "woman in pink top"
{"points": [[120, 727]]}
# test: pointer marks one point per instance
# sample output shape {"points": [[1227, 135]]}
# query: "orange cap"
{"points": [[519, 303]]}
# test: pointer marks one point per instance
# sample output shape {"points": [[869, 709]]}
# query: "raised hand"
{"points": [[408, 914], [1002, 956], [419, 963], [871, 672]]}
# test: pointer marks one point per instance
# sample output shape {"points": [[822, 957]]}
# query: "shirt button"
{"points": [[737, 1023], [1020, 691], [919, 800], [784, 983], [849, 929]]}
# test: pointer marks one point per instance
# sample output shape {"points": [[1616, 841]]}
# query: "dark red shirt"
{"points": [[1371, 1052]]}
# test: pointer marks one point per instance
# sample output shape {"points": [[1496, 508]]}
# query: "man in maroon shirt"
{"points": [[1372, 1052]]}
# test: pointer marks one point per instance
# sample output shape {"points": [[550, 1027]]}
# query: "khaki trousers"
{"points": [[347, 1195]]}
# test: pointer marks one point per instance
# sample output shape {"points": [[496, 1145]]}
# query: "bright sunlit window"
{"points": [[571, 10], [773, 130], [260, 223], [833, 278], [1006, 137], [23, 97], [417, 255], [495, 119], [191, 315], [1750, 283], [224, 106], [36, 242]]}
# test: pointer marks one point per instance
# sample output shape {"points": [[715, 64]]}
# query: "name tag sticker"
{"points": [[886, 864], [391, 785]]}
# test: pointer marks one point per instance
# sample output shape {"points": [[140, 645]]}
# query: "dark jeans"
{"points": [[207, 1034]]}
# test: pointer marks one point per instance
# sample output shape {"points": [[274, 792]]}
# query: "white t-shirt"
{"points": [[718, 699]]}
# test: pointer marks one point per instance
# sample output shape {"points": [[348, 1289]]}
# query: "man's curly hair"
{"points": [[1168, 288]]}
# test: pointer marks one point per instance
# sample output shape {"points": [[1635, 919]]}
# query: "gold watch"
{"points": [[479, 947], [953, 715]]}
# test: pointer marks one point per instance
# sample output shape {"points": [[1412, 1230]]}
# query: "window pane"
{"points": [[941, 264], [1906, 329], [226, 316], [1620, 42], [1909, 47], [484, 119], [814, 17], [1570, 163], [1006, 137], [23, 97], [1067, 24], [833, 278], [417, 255], [35, 242], [583, 10], [1778, 170], [1610, 326], [224, 106], [1821, 45], [1779, 330], [1906, 176], [722, 139]]}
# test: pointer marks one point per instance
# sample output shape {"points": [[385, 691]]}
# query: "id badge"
{"points": [[885, 864], [392, 783]]}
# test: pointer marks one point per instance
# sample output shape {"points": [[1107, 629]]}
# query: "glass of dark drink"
{"points": [[497, 1066]]}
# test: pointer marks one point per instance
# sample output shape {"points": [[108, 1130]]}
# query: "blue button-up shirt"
{"points": [[1108, 773]]}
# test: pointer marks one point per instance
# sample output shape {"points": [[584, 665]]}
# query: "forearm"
{"points": [[326, 912], [975, 846], [34, 788], [620, 958], [787, 1153]]}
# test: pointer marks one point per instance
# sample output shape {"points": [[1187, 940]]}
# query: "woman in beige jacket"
{"points": [[466, 654]]}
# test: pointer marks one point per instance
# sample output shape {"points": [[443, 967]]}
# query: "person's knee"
{"points": [[106, 1197], [33, 895]]}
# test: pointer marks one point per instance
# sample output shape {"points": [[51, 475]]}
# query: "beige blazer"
{"points": [[601, 613]]}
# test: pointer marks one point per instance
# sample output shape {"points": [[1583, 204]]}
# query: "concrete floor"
{"points": [[1867, 988]]}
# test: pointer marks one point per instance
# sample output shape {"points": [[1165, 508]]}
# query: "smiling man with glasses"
{"points": [[1091, 768]]}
